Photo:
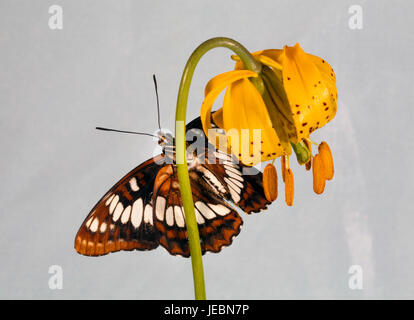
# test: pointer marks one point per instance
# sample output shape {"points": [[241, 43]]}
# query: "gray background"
{"points": [[56, 86]]}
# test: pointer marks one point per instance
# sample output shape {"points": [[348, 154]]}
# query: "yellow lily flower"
{"points": [[299, 97]]}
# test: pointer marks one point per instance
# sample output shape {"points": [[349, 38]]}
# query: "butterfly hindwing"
{"points": [[235, 182], [218, 223]]}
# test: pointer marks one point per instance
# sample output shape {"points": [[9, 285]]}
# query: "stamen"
{"points": [[289, 187], [308, 144], [311, 141], [327, 159], [270, 182], [284, 165], [318, 174]]}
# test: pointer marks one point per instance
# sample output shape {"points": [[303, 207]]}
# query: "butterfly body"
{"points": [[144, 209]]}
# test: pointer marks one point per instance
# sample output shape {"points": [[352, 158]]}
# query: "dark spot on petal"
{"points": [[288, 78], [279, 144], [324, 103], [297, 106], [304, 124], [274, 153], [298, 112], [327, 108]]}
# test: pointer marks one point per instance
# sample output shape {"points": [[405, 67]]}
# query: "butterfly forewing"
{"points": [[123, 218]]}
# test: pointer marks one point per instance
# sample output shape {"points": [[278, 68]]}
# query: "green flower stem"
{"points": [[180, 145]]}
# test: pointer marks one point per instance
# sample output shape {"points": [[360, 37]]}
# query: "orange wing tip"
{"points": [[289, 187], [327, 160], [318, 174], [88, 248], [270, 182], [92, 248]]}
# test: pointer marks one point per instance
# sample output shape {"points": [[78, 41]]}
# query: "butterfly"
{"points": [[144, 209]]}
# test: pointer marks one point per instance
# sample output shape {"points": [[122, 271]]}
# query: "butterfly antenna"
{"points": [[158, 100], [123, 131]]}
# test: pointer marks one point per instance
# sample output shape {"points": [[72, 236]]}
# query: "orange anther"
{"points": [[270, 182], [318, 174], [327, 160], [289, 187]]}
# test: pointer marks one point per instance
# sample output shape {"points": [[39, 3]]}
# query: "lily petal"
{"points": [[308, 91], [214, 87], [270, 57], [244, 108]]}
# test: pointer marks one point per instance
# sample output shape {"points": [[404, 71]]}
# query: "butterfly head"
{"points": [[165, 139]]}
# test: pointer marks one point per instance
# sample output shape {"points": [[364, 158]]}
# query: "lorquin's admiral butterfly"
{"points": [[144, 209]]}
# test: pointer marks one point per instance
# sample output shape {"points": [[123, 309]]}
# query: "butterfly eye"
{"points": [[161, 140]]}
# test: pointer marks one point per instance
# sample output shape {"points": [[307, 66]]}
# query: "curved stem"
{"points": [[180, 143]]}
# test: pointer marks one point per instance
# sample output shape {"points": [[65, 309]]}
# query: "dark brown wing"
{"points": [[217, 221], [123, 218], [233, 181]]}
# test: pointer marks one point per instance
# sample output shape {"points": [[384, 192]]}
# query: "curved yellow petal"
{"points": [[309, 94], [274, 54], [214, 87], [270, 57], [329, 80], [244, 108]]}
